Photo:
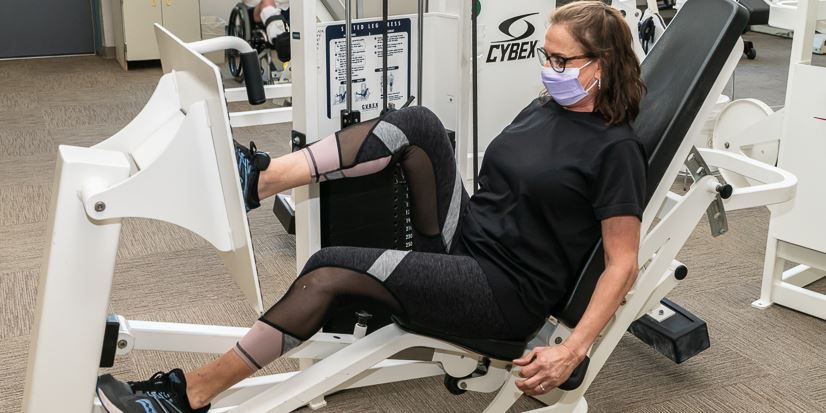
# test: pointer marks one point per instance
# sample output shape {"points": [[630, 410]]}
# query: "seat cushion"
{"points": [[490, 348]]}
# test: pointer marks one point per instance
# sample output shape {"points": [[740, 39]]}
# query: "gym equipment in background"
{"points": [[796, 228], [242, 24]]}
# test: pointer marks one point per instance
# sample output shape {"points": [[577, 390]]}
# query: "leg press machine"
{"points": [[135, 173]]}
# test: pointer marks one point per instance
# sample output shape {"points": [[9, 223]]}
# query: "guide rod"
{"points": [[384, 49], [349, 52], [420, 53], [475, 91]]}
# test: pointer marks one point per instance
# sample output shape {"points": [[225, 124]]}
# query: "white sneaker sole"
{"points": [[107, 404]]}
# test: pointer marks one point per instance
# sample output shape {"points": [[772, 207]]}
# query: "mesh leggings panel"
{"points": [[314, 296], [416, 138]]}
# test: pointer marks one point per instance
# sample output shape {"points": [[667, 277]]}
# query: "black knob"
{"points": [[681, 272], [725, 191], [363, 317]]}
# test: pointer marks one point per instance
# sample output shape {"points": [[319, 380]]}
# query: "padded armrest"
{"points": [[679, 73], [577, 376]]}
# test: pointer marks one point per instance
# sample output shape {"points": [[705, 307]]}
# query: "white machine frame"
{"points": [[131, 175], [796, 228], [784, 14]]}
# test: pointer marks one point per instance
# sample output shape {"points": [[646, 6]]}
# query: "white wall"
{"points": [[372, 8], [108, 26], [219, 8]]}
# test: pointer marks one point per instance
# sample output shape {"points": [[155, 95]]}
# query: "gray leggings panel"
{"points": [[447, 293]]}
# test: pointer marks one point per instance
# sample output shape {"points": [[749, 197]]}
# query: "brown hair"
{"points": [[601, 29]]}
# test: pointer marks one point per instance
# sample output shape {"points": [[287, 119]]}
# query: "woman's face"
{"points": [[559, 41]]}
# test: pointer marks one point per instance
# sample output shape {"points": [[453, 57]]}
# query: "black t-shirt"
{"points": [[545, 184]]}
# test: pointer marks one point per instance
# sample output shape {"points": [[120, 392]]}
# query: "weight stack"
{"points": [[372, 211]]}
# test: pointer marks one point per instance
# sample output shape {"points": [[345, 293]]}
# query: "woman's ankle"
{"points": [[194, 393]]}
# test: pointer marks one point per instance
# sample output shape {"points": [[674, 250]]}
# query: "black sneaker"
{"points": [[251, 162], [163, 392]]}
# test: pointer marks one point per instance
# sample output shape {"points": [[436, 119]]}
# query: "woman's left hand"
{"points": [[545, 368]]}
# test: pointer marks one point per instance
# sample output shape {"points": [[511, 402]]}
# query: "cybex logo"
{"points": [[514, 48]]}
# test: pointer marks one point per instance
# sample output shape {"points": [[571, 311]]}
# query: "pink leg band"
{"points": [[323, 156], [260, 346]]}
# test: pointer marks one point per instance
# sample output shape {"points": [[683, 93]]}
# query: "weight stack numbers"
{"points": [[370, 211]]}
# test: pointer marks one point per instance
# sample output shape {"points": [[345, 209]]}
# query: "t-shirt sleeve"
{"points": [[620, 183]]}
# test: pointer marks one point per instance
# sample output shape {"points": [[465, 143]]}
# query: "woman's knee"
{"points": [[416, 115], [329, 256], [356, 259], [320, 280]]}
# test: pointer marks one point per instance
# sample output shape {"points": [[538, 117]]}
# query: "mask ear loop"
{"points": [[597, 83]]}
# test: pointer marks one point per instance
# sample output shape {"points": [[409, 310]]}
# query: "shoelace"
{"points": [[158, 379], [162, 397]]}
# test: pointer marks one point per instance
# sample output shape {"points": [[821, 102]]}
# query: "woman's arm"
{"points": [[545, 368], [621, 240]]}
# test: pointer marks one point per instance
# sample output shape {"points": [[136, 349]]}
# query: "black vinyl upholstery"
{"points": [[758, 9], [679, 72], [496, 349]]}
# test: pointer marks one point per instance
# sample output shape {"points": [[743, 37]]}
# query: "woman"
{"points": [[567, 170]]}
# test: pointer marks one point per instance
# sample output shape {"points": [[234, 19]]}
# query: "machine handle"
{"points": [[254, 83], [249, 63], [577, 376]]}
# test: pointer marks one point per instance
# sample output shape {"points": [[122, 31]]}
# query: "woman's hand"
{"points": [[545, 368]]}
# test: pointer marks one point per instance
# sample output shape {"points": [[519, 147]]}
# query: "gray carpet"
{"points": [[760, 361]]}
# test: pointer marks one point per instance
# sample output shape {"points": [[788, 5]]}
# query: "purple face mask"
{"points": [[564, 87]]}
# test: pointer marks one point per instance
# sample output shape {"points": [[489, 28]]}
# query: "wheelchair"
{"points": [[242, 24]]}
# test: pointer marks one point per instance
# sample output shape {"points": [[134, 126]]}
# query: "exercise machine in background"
{"points": [[791, 138]]}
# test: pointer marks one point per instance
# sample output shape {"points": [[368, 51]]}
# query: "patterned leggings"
{"points": [[437, 285]]}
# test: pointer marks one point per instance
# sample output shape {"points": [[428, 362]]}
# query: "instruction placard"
{"points": [[367, 66]]}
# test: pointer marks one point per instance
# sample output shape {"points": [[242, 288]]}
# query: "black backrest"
{"points": [[679, 72], [758, 9]]}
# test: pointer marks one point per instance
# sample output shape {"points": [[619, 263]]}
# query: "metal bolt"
{"points": [[463, 385], [558, 340], [100, 206], [122, 344], [661, 312], [726, 145]]}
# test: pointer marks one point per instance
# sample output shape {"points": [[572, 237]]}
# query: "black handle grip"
{"points": [[252, 78], [577, 376]]}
